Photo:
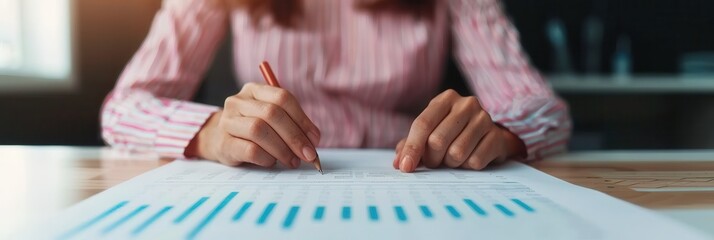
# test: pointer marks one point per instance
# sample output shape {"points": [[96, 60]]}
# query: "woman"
{"points": [[355, 73]]}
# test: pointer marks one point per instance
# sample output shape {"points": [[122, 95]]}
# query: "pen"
{"points": [[272, 81]]}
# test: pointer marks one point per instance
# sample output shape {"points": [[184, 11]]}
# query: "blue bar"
{"points": [[124, 219], [453, 211], [373, 215], [504, 210], [426, 212], [319, 213], [523, 205], [266, 213], [92, 221], [401, 215], [242, 211], [151, 220], [291, 216], [190, 210], [211, 215], [346, 213], [475, 207]]}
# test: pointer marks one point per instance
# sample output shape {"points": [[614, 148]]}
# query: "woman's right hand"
{"points": [[261, 125]]}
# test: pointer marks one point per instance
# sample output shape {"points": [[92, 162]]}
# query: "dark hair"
{"points": [[287, 12]]}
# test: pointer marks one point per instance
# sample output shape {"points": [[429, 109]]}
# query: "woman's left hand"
{"points": [[454, 131]]}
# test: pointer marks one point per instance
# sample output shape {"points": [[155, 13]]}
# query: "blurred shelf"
{"points": [[637, 84]]}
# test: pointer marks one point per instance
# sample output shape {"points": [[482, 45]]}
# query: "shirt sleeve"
{"points": [[488, 51], [148, 109]]}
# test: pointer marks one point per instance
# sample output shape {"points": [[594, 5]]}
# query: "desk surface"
{"points": [[39, 181]]}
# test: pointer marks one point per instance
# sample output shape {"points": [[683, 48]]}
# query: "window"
{"points": [[35, 43]]}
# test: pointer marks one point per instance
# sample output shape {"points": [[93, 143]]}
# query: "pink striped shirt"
{"points": [[361, 77]]}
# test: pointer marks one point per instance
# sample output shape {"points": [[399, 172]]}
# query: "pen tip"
{"points": [[317, 165]]}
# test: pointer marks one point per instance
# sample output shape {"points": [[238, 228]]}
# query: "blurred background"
{"points": [[638, 74]]}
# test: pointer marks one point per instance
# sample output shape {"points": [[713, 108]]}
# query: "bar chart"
{"points": [[286, 219], [285, 209]]}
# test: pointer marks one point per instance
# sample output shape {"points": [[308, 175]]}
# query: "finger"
{"points": [[237, 151], [259, 132], [421, 128], [485, 152], [289, 103], [398, 150], [283, 125], [466, 142], [445, 133]]}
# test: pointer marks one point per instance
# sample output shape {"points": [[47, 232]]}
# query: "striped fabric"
{"points": [[362, 77]]}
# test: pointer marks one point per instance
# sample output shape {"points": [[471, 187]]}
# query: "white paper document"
{"points": [[360, 197]]}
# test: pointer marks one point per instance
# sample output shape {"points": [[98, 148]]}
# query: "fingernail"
{"points": [[314, 137], [309, 153], [295, 162], [406, 164]]}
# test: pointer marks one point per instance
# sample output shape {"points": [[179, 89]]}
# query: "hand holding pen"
{"points": [[261, 125], [270, 78]]}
